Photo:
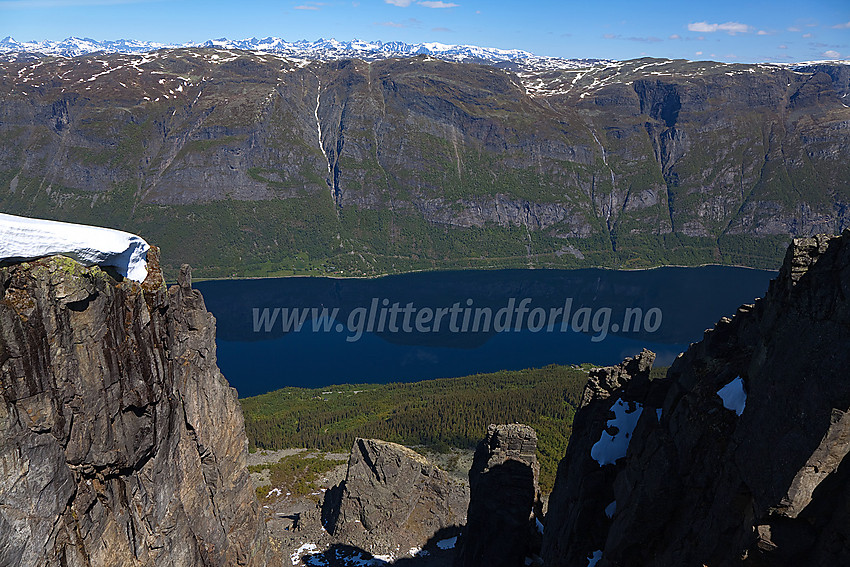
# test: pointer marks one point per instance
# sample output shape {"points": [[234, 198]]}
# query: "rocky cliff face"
{"points": [[393, 500], [582, 500], [390, 165], [739, 455], [504, 505], [120, 441]]}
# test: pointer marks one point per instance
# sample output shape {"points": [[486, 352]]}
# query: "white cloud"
{"points": [[408, 23], [793, 29], [807, 35], [729, 27], [762, 32], [842, 26], [305, 7], [675, 36], [698, 53], [437, 4], [783, 46], [832, 54], [702, 27], [400, 3]]}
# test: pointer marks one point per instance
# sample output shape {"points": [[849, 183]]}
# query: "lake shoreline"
{"points": [[438, 270]]}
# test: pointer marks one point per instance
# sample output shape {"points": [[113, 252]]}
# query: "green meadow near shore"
{"points": [[438, 414]]}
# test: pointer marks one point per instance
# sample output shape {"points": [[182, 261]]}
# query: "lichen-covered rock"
{"points": [[504, 504], [120, 441], [740, 454], [392, 500]]}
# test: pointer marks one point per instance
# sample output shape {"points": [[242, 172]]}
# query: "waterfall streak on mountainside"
{"points": [[604, 156], [319, 126]]}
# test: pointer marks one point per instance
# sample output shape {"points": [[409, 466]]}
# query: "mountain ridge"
{"points": [[328, 49], [355, 167], [320, 49]]}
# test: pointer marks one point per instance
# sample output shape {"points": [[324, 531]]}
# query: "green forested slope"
{"points": [[451, 412]]}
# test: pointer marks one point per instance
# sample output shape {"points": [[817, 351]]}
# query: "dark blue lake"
{"points": [[314, 332]]}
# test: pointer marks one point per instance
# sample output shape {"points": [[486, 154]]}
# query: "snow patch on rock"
{"points": [[24, 238], [447, 543], [301, 551], [733, 395], [610, 447]]}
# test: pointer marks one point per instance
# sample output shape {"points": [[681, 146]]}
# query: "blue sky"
{"points": [[720, 30]]}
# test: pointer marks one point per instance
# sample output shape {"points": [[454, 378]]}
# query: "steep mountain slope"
{"points": [[120, 441], [270, 163], [738, 456]]}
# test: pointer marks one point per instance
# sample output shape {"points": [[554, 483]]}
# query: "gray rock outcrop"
{"points": [[739, 456], [504, 504], [392, 500], [120, 441]]}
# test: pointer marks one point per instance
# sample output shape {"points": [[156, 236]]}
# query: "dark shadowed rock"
{"points": [[740, 455], [120, 441], [504, 499], [576, 521], [392, 500]]}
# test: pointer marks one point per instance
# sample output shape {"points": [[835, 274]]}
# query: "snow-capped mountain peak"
{"points": [[321, 49]]}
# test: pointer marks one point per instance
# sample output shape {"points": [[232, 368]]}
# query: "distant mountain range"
{"points": [[323, 49]]}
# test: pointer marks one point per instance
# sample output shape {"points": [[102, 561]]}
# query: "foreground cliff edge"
{"points": [[120, 441], [738, 456]]}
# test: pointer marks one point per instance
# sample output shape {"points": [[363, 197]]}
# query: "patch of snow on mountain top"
{"points": [[819, 62]]}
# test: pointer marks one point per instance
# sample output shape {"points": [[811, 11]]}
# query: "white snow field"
{"points": [[24, 238]]}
